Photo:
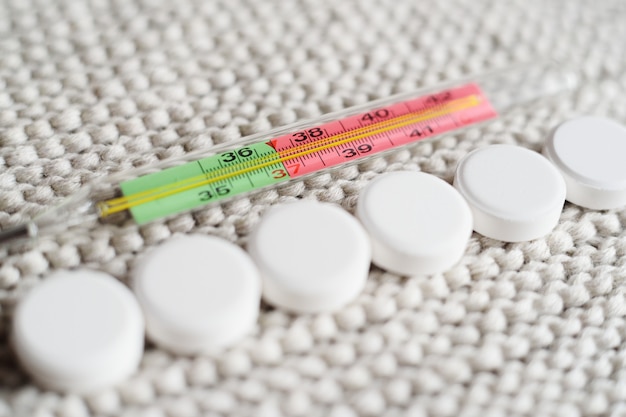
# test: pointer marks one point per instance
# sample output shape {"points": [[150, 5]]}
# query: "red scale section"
{"points": [[398, 124]]}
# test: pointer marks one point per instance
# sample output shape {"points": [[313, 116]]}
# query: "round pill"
{"points": [[515, 194], [198, 293], [590, 152], [312, 256], [418, 223], [79, 331]]}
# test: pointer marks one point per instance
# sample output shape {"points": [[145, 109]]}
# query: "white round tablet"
{"points": [[515, 194], [418, 223], [312, 256], [79, 331], [197, 293], [590, 152]]}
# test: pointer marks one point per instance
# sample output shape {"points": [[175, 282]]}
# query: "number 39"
{"points": [[361, 149]]}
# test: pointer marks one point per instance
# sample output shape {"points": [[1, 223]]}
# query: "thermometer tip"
{"points": [[17, 233]]}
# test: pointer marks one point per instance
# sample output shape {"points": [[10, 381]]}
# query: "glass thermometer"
{"points": [[301, 149]]}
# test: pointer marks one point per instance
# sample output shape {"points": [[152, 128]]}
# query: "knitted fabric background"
{"points": [[526, 329]]}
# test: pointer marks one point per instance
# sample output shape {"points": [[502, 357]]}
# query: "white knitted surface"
{"points": [[527, 329]]}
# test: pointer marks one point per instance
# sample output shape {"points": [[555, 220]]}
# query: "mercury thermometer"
{"points": [[302, 149]]}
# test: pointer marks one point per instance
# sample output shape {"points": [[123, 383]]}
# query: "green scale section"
{"points": [[234, 165]]}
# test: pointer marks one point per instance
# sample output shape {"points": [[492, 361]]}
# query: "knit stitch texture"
{"points": [[88, 89]]}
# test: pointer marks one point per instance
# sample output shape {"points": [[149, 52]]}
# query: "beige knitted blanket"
{"points": [[528, 329]]}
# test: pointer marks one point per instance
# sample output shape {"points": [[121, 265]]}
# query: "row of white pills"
{"points": [[83, 330]]}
